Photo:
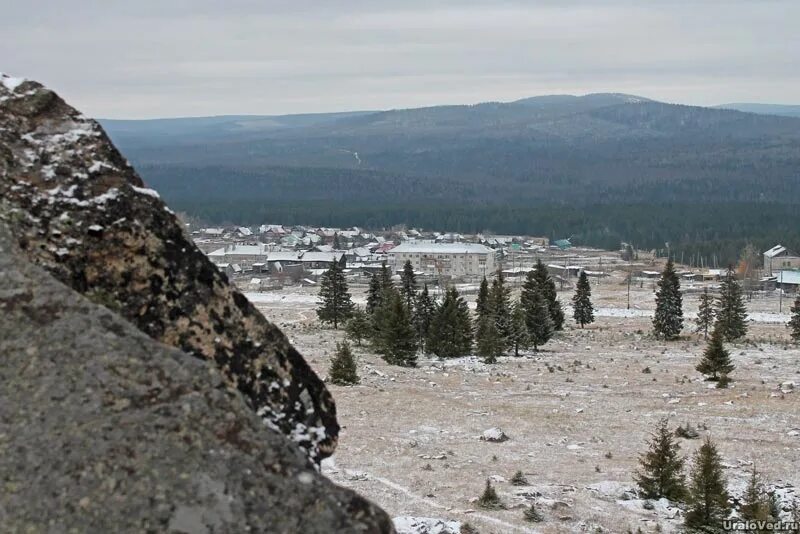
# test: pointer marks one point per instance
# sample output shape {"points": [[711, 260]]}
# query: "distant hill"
{"points": [[765, 109], [597, 166]]}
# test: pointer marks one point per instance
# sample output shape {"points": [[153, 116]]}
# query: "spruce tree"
{"points": [[489, 499], [337, 244], [519, 479], [482, 302], [343, 366], [520, 338], [335, 304], [549, 287], [358, 327], [374, 294], [408, 284], [422, 315], [450, 331], [499, 306], [537, 315], [488, 344], [755, 504], [398, 341], [731, 311], [668, 318], [532, 514], [705, 313], [385, 276], [794, 322], [716, 360], [582, 308], [661, 471], [708, 496]]}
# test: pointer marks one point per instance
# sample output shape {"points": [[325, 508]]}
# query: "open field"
{"points": [[577, 414]]}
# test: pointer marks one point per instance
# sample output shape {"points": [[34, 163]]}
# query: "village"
{"points": [[270, 257], [424, 441]]}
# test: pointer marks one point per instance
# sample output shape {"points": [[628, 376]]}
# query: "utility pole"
{"points": [[780, 296], [630, 275]]}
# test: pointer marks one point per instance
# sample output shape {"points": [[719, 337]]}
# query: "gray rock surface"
{"points": [[103, 429], [79, 210]]}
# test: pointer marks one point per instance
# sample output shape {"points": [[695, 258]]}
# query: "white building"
{"points": [[780, 258], [449, 259]]}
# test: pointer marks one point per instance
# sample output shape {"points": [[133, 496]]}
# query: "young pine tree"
{"points": [[668, 318], [661, 467], [488, 344], [716, 360], [408, 284], [450, 331], [583, 310], [731, 311], [374, 294], [422, 315], [335, 303], [482, 302], [343, 366], [358, 326], [499, 306], [520, 338], [705, 313], [794, 322], [755, 503], [489, 500], [548, 286], [398, 340], [708, 495], [532, 514], [537, 315]]}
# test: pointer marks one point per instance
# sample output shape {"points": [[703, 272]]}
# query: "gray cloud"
{"points": [[179, 57]]}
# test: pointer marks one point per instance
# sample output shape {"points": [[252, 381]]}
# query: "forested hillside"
{"points": [[602, 168]]}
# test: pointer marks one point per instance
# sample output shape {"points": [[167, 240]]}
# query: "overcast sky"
{"points": [[164, 58]]}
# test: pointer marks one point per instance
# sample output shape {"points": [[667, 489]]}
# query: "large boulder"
{"points": [[80, 211], [139, 391], [103, 429]]}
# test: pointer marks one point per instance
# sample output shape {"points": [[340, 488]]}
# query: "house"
{"points": [[449, 259], [322, 260], [789, 281], [780, 258], [242, 255]]}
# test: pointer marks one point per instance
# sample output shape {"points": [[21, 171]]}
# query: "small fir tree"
{"points": [[532, 514], [488, 344], [482, 302], [374, 294], [661, 467], [337, 244], [537, 315], [335, 305], [755, 504], [519, 479], [408, 284], [716, 360], [705, 313], [398, 341], [520, 338], [794, 322], [450, 332], [424, 308], [668, 318], [731, 311], [343, 366], [500, 309], [489, 500], [708, 496], [358, 327], [548, 286], [583, 310]]}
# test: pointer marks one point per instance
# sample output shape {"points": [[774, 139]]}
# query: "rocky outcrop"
{"points": [[76, 208], [103, 429], [139, 391]]}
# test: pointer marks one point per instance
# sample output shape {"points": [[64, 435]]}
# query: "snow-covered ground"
{"points": [[577, 416]]}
